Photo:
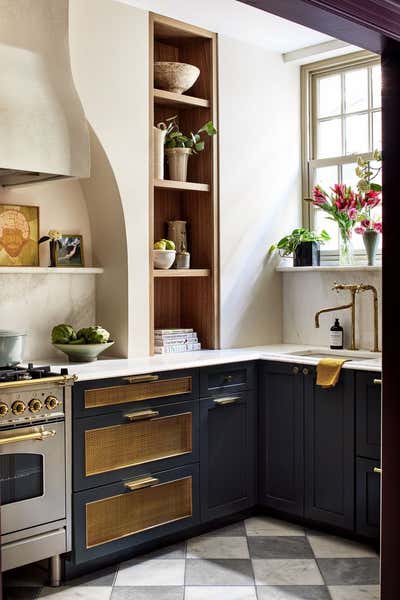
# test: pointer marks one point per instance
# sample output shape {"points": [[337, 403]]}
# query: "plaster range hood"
{"points": [[43, 130]]}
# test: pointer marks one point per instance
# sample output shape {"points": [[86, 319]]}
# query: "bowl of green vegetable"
{"points": [[84, 345]]}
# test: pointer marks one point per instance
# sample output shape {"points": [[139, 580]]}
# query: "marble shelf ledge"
{"points": [[326, 268], [51, 270]]}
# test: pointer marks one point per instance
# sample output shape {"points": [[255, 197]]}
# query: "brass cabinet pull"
{"points": [[305, 371], [38, 435], [141, 378], [377, 470], [295, 370], [141, 415], [138, 484], [228, 378], [227, 400], [378, 381]]}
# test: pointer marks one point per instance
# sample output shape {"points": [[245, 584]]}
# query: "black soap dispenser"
{"points": [[336, 336]]}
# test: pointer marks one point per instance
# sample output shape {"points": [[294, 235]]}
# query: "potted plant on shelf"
{"points": [[54, 238], [178, 147], [303, 245], [370, 197]]}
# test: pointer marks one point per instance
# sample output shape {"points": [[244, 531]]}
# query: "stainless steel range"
{"points": [[35, 458]]}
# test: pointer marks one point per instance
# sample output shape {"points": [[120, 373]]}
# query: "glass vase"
{"points": [[345, 249]]}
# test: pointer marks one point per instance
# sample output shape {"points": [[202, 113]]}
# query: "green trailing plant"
{"points": [[176, 139], [288, 245]]}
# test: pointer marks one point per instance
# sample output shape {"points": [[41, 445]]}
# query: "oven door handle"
{"points": [[37, 435]]}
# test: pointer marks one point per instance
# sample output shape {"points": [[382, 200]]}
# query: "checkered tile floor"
{"points": [[258, 559]]}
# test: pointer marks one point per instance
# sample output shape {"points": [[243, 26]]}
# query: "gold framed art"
{"points": [[70, 251], [19, 235]]}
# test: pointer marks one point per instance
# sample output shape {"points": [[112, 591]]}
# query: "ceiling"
{"points": [[237, 20]]}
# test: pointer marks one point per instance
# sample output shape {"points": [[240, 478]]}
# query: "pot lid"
{"points": [[9, 333]]}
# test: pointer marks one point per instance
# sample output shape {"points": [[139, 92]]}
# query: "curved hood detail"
{"points": [[43, 130]]}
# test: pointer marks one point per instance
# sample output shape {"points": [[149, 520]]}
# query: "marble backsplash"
{"points": [[35, 303], [305, 293]]}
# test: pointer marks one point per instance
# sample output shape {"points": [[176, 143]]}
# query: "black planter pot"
{"points": [[307, 254]]}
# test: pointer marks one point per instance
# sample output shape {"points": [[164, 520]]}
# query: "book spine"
{"points": [[177, 348], [172, 331], [175, 339]]}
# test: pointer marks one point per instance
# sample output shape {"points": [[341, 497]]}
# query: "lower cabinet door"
{"points": [[368, 492], [228, 438], [329, 451], [120, 516]]}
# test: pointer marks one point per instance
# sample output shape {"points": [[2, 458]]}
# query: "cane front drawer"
{"points": [[131, 512], [108, 448]]}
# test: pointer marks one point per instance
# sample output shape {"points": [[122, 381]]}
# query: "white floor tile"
{"points": [[354, 592], [268, 526], [220, 593], [277, 571], [329, 546], [151, 573], [217, 547], [79, 592]]}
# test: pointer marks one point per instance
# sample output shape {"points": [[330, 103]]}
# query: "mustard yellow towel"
{"points": [[328, 371]]}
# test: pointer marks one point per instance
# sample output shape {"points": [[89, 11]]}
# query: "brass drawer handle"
{"points": [[227, 400], [26, 437], [139, 484], [378, 381], [377, 470], [141, 378], [141, 415]]}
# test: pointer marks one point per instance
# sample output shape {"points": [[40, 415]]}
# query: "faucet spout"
{"points": [[326, 310]]}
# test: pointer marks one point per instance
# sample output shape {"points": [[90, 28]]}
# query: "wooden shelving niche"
{"points": [[186, 298]]}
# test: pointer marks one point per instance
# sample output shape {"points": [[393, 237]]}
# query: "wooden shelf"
{"points": [[181, 272], [163, 98], [184, 186], [51, 270]]}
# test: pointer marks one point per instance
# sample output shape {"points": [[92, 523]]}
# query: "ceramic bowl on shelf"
{"points": [[83, 352], [163, 259], [175, 76]]}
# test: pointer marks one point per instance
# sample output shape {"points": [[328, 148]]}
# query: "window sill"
{"points": [[289, 269]]}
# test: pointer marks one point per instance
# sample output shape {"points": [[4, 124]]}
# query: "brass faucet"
{"points": [[354, 289]]}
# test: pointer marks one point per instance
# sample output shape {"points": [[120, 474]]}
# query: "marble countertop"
{"points": [[119, 367]]}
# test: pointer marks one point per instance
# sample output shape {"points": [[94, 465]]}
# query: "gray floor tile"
{"points": [[148, 593], [330, 546], [217, 547], [173, 551], [279, 547], [349, 571], [291, 571], [234, 530], [221, 592], [149, 573], [293, 592], [232, 572], [103, 577], [20, 593], [263, 525], [355, 592]]}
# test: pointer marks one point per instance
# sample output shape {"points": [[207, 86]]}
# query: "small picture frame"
{"points": [[70, 251], [19, 235]]}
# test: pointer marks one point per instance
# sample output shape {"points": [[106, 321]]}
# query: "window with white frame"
{"points": [[341, 120]]}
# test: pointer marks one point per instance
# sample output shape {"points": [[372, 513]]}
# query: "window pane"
{"points": [[329, 138], [356, 90], [321, 222], [349, 176], [376, 86], [356, 134], [377, 165], [329, 96], [377, 130], [326, 177]]}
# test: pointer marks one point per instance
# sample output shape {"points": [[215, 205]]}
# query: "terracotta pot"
{"points": [[177, 163], [174, 76], [159, 134]]}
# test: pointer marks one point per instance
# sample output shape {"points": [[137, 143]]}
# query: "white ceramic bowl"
{"points": [[175, 76], [83, 352], [163, 259]]}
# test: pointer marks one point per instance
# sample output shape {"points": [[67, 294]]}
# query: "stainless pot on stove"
{"points": [[12, 345]]}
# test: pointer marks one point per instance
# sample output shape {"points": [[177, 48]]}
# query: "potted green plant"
{"points": [[303, 245], [179, 146]]}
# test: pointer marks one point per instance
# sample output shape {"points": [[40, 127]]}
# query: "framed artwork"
{"points": [[19, 236], [70, 251]]}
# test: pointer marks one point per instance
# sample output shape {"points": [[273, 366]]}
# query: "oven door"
{"points": [[32, 476]]}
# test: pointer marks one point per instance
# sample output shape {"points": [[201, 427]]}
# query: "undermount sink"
{"points": [[348, 355]]}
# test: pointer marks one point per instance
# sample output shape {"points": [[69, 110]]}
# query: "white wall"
{"points": [[306, 293], [259, 141]]}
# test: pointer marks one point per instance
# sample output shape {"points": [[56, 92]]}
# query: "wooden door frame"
{"points": [[373, 25]]}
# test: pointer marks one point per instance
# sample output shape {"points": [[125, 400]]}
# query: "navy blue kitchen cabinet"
{"points": [[281, 435], [329, 451], [228, 438]]}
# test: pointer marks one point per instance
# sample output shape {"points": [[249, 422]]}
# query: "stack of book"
{"points": [[167, 341]]}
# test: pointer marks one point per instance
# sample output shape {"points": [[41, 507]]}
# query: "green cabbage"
{"points": [[63, 334]]}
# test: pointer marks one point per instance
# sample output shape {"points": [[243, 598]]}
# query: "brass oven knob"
{"points": [[18, 407], [51, 402], [3, 409], [35, 405]]}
